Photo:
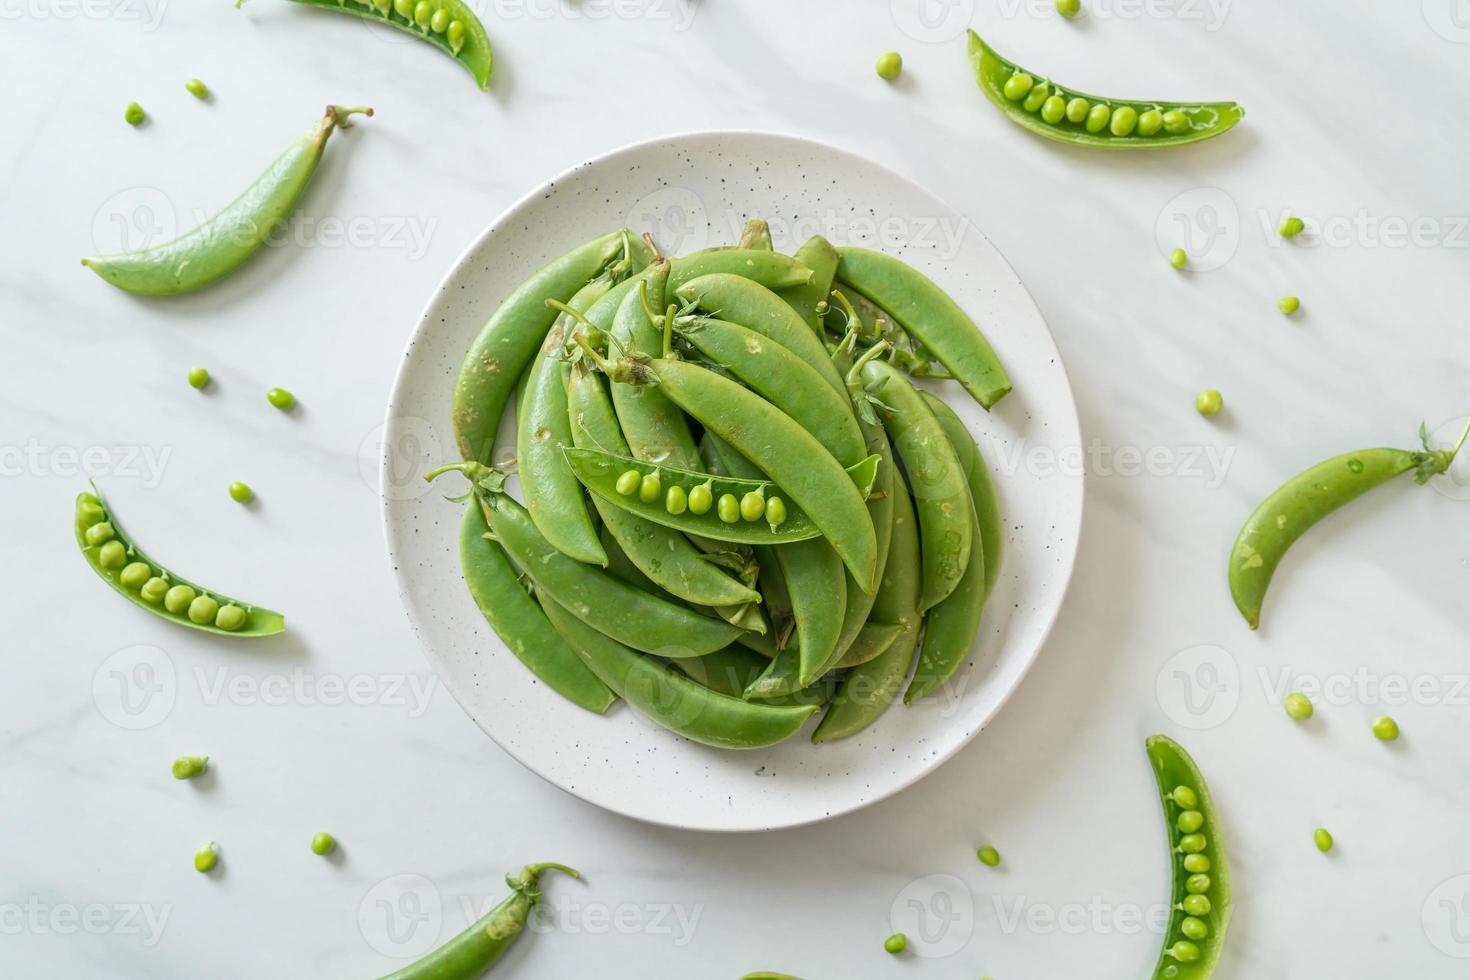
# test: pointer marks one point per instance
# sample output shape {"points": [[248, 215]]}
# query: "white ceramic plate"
{"points": [[690, 191]]}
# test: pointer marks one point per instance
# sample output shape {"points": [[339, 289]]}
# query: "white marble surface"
{"points": [[1356, 121]]}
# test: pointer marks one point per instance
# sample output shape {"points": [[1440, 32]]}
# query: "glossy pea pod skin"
{"points": [[675, 702], [731, 670], [982, 490], [770, 269], [468, 955], [223, 243], [117, 560], [457, 31], [928, 314], [512, 336], [1287, 514], [656, 430], [1113, 124], [871, 640], [1202, 934], [809, 300]]}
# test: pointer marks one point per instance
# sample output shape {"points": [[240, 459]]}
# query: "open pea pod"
{"points": [[601, 473], [1070, 116]]}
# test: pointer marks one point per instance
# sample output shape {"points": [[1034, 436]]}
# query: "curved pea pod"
{"points": [[1200, 892], [223, 243], [468, 955], [813, 575], [512, 336], [880, 510], [1115, 130], [982, 491], [771, 269], [674, 701], [131, 573], [599, 471], [871, 640], [731, 670], [462, 36], [809, 300], [927, 313], [656, 430], [518, 620], [756, 235]]}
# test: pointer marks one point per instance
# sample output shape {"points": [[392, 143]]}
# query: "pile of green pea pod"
{"points": [[739, 510]]}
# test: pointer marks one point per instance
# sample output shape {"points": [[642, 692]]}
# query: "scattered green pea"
{"points": [[650, 488], [1197, 884], [240, 492], [281, 398], [628, 482], [230, 618], [1196, 905], [154, 590], [1196, 864], [189, 766], [988, 856], [1209, 402], [1288, 304], [1385, 729], [1298, 706], [206, 858], [890, 63], [198, 377], [1150, 122], [1178, 258], [1185, 797], [1125, 120], [775, 512], [1176, 122], [896, 943], [1069, 8], [134, 114], [112, 555], [197, 88], [700, 499], [1323, 839], [753, 505], [1053, 109], [728, 508], [99, 533], [1184, 951], [1018, 85], [1190, 821], [1077, 109], [178, 598], [202, 609], [1192, 843], [1291, 227], [1097, 117], [1195, 929], [323, 843], [135, 574]]}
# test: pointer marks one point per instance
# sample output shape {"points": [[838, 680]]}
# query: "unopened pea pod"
{"points": [[872, 639], [674, 701], [770, 269], [511, 338], [941, 495], [657, 432], [982, 490], [144, 582], [454, 29], [731, 670], [810, 301], [599, 471], [1115, 123], [751, 305], [468, 955], [736, 558], [223, 243], [756, 235], [1200, 894], [930, 316], [662, 553]]}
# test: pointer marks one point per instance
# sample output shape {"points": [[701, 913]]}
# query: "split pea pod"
{"points": [[809, 301], [982, 490], [771, 269], [468, 955], [223, 243], [941, 496], [929, 315], [449, 25], [656, 430], [672, 700], [512, 337]]}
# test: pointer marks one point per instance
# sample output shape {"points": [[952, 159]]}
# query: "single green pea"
{"points": [[1192, 843], [100, 533], [1018, 85], [135, 574], [1323, 839], [1176, 122], [650, 488], [628, 482], [890, 63], [206, 858], [1069, 8], [1077, 109], [241, 492], [439, 23], [1298, 706], [753, 505], [1197, 884], [281, 398], [1150, 122], [154, 590], [1288, 304], [988, 856], [383, 6], [423, 12], [112, 555], [202, 609], [1195, 929], [1196, 863], [1178, 258], [197, 88], [90, 508], [1385, 729], [1209, 402], [1036, 97], [177, 599], [134, 114], [1185, 797], [676, 501], [323, 843], [1097, 117], [1196, 905], [700, 499], [403, 8], [1291, 227], [1190, 821], [896, 943], [230, 618], [198, 377], [728, 508], [1125, 120], [189, 766], [775, 512], [1184, 951], [1054, 109], [455, 35]]}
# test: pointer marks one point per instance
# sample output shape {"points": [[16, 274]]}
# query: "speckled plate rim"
{"points": [[1072, 518]]}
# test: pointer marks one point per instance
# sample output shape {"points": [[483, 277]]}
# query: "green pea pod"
{"points": [[661, 553], [512, 336], [746, 616], [144, 582], [458, 34], [674, 701], [599, 471], [907, 355], [518, 620], [225, 241], [756, 235], [871, 640], [656, 430], [770, 269], [1118, 125], [982, 491], [927, 314], [1305, 499], [946, 526], [468, 955], [731, 670], [809, 301], [1200, 895]]}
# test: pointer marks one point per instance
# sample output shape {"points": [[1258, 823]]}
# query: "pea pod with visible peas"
{"points": [[144, 582], [1069, 116], [225, 241]]}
